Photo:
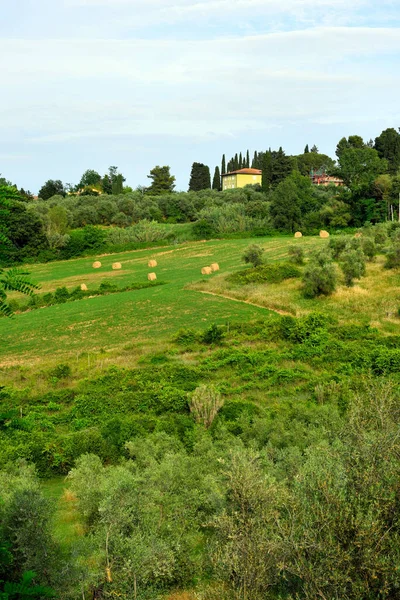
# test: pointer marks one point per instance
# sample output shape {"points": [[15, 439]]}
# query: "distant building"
{"points": [[238, 179], [320, 177]]}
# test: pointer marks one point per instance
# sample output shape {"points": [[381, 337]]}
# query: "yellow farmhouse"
{"points": [[238, 179]]}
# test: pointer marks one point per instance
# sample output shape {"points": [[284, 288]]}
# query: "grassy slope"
{"points": [[142, 317], [137, 321]]}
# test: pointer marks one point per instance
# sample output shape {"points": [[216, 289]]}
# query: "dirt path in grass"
{"points": [[275, 310]]}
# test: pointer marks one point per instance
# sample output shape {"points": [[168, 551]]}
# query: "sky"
{"points": [[136, 83]]}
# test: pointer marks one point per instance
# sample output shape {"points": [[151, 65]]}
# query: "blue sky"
{"points": [[135, 83]]}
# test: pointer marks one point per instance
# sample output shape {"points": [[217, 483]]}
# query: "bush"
{"points": [[253, 255], [213, 334], [61, 295], [274, 273], [296, 255], [320, 275], [337, 245], [352, 264], [369, 248], [393, 256], [203, 229], [205, 403]]}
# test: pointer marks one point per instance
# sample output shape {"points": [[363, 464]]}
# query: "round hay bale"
{"points": [[215, 267], [84, 287], [298, 234], [151, 276], [206, 271], [358, 235], [152, 263], [116, 266], [323, 234], [96, 264]]}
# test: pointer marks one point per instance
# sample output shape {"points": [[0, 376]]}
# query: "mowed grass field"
{"points": [[127, 320], [125, 325]]}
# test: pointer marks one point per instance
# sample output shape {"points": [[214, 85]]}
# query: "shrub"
{"points": [[393, 256], [352, 264], [61, 371], [61, 295], [213, 334], [186, 336], [296, 255], [369, 248], [203, 229], [253, 255], [337, 245], [274, 273], [320, 275], [205, 403]]}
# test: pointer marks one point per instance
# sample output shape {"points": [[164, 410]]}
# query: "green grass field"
{"points": [[137, 318], [122, 326]]}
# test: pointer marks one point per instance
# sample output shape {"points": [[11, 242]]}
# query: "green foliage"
{"points": [[296, 255], [25, 589], [253, 255], [270, 273], [337, 244], [204, 404], [319, 275], [14, 280], [162, 182], [393, 255], [199, 177], [352, 262], [51, 188], [213, 335], [202, 229]]}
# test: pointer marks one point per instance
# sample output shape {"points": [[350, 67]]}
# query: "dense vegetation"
{"points": [[56, 224], [245, 454]]}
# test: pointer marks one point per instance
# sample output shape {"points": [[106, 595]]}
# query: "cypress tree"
{"points": [[236, 162], [266, 171], [199, 177], [223, 165], [240, 161], [281, 166], [247, 159], [216, 184], [255, 160], [306, 149]]}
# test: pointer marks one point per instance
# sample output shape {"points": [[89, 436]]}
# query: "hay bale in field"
{"points": [[215, 267], [84, 287], [206, 271], [116, 266], [298, 234], [358, 235], [323, 234], [151, 276], [96, 264], [152, 263]]}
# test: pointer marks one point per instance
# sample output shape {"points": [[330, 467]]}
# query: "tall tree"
{"points": [[282, 166], [13, 279], [223, 165], [387, 145], [314, 149], [247, 159], [240, 161], [162, 182], [216, 184], [199, 177], [52, 187], [306, 149], [266, 168], [89, 178], [236, 162]]}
